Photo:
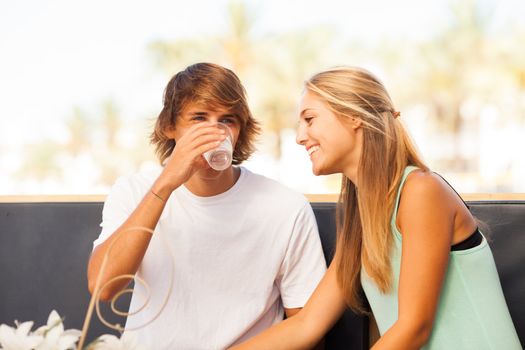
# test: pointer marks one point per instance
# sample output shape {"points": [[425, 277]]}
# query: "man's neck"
{"points": [[207, 183]]}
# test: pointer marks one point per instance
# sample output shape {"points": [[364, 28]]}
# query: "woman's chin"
{"points": [[317, 170]]}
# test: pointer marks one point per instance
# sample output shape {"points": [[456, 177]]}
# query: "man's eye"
{"points": [[228, 121]]}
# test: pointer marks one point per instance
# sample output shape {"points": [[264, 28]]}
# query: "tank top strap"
{"points": [[407, 171], [453, 189]]}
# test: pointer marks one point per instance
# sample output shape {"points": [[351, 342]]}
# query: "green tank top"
{"points": [[472, 313]]}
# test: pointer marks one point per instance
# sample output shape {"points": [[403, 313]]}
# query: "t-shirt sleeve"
{"points": [[118, 207], [304, 264]]}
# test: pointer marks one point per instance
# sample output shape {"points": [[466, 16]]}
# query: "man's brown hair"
{"points": [[213, 86]]}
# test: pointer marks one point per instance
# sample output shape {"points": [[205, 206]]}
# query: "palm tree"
{"points": [[452, 62]]}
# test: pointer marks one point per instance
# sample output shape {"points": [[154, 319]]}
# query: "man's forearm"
{"points": [[126, 247]]}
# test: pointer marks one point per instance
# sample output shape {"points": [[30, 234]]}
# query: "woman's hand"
{"points": [[305, 329]]}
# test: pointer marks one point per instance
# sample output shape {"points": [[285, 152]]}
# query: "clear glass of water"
{"points": [[220, 158]]}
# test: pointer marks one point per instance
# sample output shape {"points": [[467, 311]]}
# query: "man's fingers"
{"points": [[205, 139], [202, 129], [207, 147]]}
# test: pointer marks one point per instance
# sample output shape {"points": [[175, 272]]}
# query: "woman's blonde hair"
{"points": [[364, 234]]}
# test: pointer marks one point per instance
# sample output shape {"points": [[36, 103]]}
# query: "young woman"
{"points": [[404, 235]]}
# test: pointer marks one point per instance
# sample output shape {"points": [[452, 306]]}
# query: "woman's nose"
{"points": [[300, 136]]}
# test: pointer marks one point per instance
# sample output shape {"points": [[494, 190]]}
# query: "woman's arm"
{"points": [[426, 220], [308, 326]]}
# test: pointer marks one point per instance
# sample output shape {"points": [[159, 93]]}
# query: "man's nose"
{"points": [[214, 119]]}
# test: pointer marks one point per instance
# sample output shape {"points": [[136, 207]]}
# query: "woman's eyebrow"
{"points": [[304, 111]]}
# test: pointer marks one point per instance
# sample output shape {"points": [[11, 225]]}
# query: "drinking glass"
{"points": [[220, 158]]}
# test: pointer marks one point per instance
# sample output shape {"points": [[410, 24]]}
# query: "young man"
{"points": [[245, 249]]}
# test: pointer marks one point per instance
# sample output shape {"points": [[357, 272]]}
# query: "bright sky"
{"points": [[57, 54], [60, 54]]}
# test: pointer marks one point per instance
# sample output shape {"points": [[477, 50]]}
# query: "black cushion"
{"points": [[44, 249]]}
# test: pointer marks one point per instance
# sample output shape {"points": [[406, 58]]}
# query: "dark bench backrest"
{"points": [[44, 248]]}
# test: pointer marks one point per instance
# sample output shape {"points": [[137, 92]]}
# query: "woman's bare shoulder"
{"points": [[424, 183]]}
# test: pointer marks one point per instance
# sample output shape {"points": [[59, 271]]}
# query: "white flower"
{"points": [[19, 338], [52, 336], [55, 338], [127, 341]]}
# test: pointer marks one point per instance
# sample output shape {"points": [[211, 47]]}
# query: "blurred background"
{"points": [[81, 82]]}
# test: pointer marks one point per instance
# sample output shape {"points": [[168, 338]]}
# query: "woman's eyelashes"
{"points": [[309, 119]]}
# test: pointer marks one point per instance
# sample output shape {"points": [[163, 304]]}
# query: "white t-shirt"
{"points": [[239, 257]]}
